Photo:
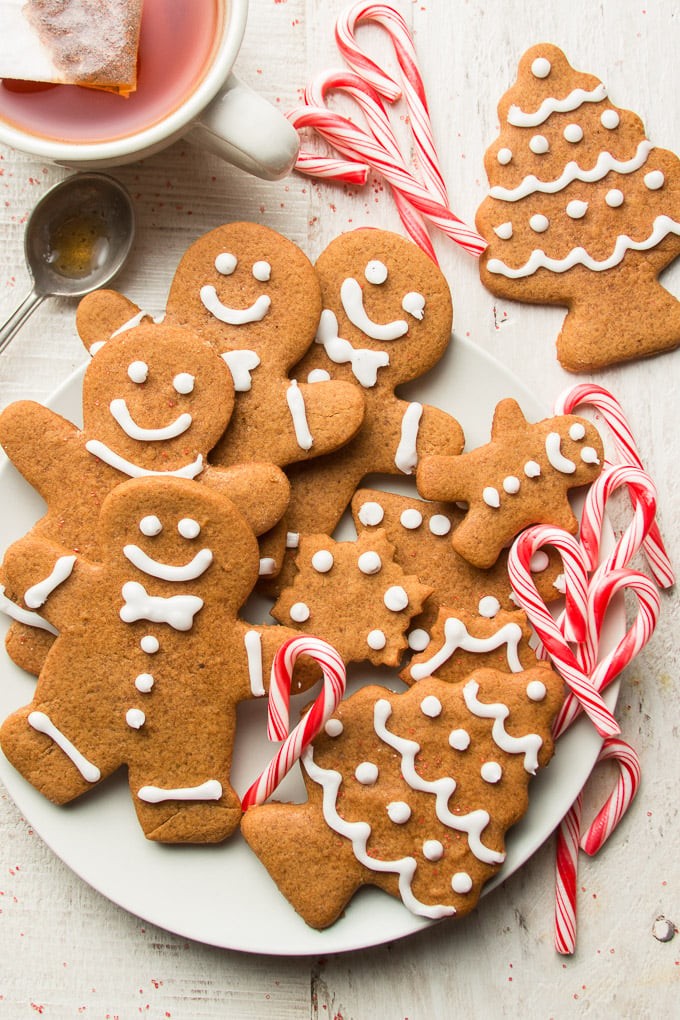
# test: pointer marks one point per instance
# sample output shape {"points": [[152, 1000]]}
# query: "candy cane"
{"points": [[618, 802], [331, 168], [643, 495], [628, 453], [549, 632], [566, 868], [295, 741]]}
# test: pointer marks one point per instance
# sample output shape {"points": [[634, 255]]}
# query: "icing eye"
{"points": [[150, 525], [376, 272], [189, 528], [414, 304], [225, 263], [184, 382], [262, 271], [138, 371]]}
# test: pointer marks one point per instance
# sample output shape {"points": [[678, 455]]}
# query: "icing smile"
{"points": [[120, 413], [234, 316], [352, 299], [168, 571]]}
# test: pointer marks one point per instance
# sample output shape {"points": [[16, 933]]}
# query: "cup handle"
{"points": [[246, 130]]}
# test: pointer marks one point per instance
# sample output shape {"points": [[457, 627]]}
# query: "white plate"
{"points": [[221, 895]]}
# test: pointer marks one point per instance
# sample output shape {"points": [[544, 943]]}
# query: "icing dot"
{"points": [[610, 119], [459, 740], [376, 271], [504, 231], [418, 640], [539, 223], [411, 519], [318, 375], [511, 484], [366, 773], [267, 566], [371, 514], [539, 145], [536, 690], [589, 455], [299, 612], [138, 371], [504, 156], [576, 209], [654, 180], [539, 561], [369, 563], [334, 727], [440, 524], [433, 850], [491, 496], [491, 772], [262, 271], [292, 539], [149, 644], [573, 133], [144, 682], [184, 382], [135, 718], [614, 198], [189, 528], [532, 469], [322, 561], [150, 525], [577, 431], [395, 598], [414, 304], [376, 640], [431, 706], [226, 263], [541, 67], [398, 812], [461, 882], [489, 606]]}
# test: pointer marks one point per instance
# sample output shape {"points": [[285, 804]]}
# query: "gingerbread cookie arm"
{"points": [[260, 491], [45, 584], [259, 644], [41, 444]]}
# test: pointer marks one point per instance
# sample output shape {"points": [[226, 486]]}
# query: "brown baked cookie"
{"points": [[410, 792], [582, 211], [151, 658], [521, 477], [353, 595]]}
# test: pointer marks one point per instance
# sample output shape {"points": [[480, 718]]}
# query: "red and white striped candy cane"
{"points": [[618, 802], [278, 722], [628, 453], [602, 590], [562, 656], [566, 873], [643, 494], [331, 168]]}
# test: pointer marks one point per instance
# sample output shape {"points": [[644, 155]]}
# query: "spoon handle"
{"points": [[17, 318]]}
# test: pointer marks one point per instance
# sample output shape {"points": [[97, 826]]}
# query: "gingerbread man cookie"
{"points": [[151, 658]]}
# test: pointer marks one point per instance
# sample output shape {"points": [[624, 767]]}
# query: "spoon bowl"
{"points": [[77, 239]]}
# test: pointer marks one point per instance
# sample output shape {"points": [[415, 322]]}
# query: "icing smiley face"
{"points": [[157, 400]]}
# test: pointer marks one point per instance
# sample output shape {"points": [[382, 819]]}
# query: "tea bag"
{"points": [[80, 42]]}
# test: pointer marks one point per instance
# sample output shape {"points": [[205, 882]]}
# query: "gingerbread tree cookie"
{"points": [[410, 792], [583, 211], [521, 477]]}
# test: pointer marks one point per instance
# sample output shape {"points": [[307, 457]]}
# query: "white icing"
{"points": [[234, 316], [536, 690], [411, 519], [511, 485], [122, 416], [210, 790], [184, 383], [15, 612], [614, 198], [149, 644], [418, 639], [177, 611], [461, 883], [440, 525], [398, 812], [352, 298], [168, 571], [459, 740], [491, 772], [369, 563], [654, 180], [573, 133], [226, 263], [299, 612], [138, 371], [528, 745], [577, 431], [519, 118], [431, 706], [364, 362], [553, 442], [292, 539], [144, 682], [589, 455], [376, 272], [406, 457], [539, 561], [395, 599], [262, 271], [135, 718], [37, 595], [41, 722], [322, 561], [318, 375], [491, 496], [296, 406], [376, 640], [532, 469], [189, 528], [241, 364], [541, 67], [488, 607], [366, 773], [576, 209], [539, 145], [504, 231], [610, 119], [130, 324], [414, 304], [539, 223], [433, 850], [126, 467], [267, 566], [334, 728], [150, 525], [370, 514], [252, 641], [456, 636], [504, 156]]}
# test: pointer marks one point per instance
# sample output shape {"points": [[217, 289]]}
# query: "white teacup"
{"points": [[189, 93]]}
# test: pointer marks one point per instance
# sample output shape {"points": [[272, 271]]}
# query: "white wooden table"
{"points": [[67, 951]]}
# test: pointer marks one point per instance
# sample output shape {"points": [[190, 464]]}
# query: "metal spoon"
{"points": [[77, 238]]}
